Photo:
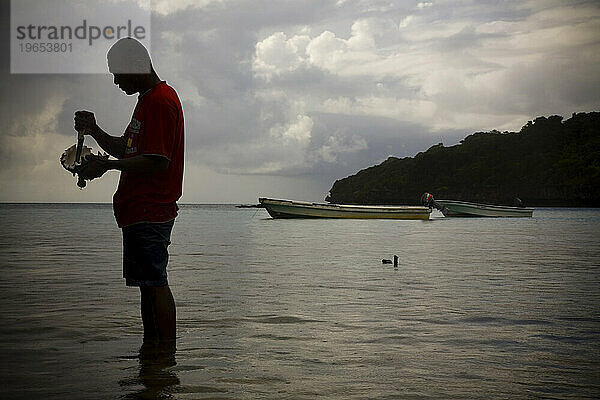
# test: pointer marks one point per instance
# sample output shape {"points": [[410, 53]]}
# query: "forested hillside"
{"points": [[550, 162]]}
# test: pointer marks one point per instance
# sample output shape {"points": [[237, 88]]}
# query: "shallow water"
{"points": [[304, 309]]}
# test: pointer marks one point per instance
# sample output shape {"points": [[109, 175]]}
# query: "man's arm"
{"points": [[113, 145], [96, 166], [144, 164], [85, 122]]}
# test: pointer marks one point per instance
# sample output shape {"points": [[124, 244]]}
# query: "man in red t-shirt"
{"points": [[150, 158]]}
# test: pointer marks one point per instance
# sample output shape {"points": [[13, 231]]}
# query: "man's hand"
{"points": [[93, 167], [85, 122]]}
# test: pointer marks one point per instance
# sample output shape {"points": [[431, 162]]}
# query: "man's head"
{"points": [[129, 62]]}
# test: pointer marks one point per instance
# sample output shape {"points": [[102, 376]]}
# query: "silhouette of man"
{"points": [[150, 158]]}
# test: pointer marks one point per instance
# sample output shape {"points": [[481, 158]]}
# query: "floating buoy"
{"points": [[386, 261]]}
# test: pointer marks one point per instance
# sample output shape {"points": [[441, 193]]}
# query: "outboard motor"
{"points": [[517, 202], [427, 200]]}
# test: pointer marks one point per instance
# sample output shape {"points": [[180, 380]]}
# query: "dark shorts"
{"points": [[145, 254]]}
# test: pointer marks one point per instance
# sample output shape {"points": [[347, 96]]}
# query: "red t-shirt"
{"points": [[156, 128]]}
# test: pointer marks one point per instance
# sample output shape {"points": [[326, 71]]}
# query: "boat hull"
{"points": [[300, 209], [454, 208]]}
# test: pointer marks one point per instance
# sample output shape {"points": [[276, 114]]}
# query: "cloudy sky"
{"points": [[281, 98]]}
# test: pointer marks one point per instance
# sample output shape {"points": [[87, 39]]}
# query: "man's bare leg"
{"points": [[165, 315], [147, 308], [158, 315]]}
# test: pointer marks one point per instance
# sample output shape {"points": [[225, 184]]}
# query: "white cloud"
{"points": [[413, 110], [298, 132], [277, 54], [339, 144], [43, 121], [406, 21], [424, 30], [166, 7]]}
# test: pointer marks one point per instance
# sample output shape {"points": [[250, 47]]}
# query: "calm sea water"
{"points": [[304, 309]]}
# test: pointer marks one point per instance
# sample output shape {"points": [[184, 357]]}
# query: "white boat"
{"points": [[302, 209], [454, 208]]}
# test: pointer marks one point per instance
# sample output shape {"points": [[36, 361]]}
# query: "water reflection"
{"points": [[156, 378]]}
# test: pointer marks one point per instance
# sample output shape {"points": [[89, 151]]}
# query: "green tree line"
{"points": [[550, 162]]}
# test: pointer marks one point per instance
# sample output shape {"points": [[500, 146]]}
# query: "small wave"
{"points": [[530, 322], [189, 389], [485, 320], [565, 339], [504, 321], [187, 368], [252, 381], [286, 319], [275, 337]]}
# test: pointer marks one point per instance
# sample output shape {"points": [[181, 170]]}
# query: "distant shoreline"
{"points": [[548, 163]]}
